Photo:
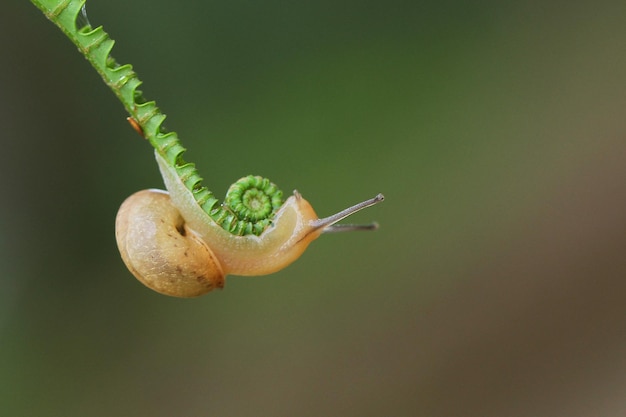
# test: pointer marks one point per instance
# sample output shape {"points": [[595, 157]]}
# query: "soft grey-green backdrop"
{"points": [[494, 287]]}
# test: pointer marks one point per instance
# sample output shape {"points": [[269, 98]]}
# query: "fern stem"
{"points": [[95, 45]]}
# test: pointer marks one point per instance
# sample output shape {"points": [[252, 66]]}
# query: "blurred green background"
{"points": [[494, 287]]}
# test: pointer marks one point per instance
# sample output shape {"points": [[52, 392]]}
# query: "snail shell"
{"points": [[161, 251]]}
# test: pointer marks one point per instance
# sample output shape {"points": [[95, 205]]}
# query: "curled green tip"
{"points": [[252, 202]]}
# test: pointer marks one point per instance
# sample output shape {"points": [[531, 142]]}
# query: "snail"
{"points": [[173, 246]]}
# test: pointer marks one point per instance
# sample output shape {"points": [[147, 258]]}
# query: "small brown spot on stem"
{"points": [[135, 125]]}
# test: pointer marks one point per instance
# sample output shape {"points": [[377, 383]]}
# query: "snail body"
{"points": [[248, 255]]}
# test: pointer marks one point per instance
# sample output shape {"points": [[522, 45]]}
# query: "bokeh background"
{"points": [[494, 287]]}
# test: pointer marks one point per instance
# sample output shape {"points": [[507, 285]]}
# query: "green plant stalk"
{"points": [[95, 45]]}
